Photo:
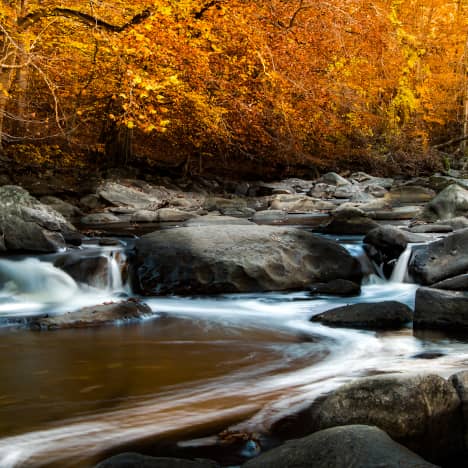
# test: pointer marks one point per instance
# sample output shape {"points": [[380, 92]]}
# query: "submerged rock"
{"points": [[341, 447], [385, 315], [96, 316], [225, 258]]}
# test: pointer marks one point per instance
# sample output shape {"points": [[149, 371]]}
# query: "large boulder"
{"points": [[87, 268], [441, 259], [440, 309], [135, 460], [357, 446], [385, 315], [28, 225], [95, 316], [349, 221], [422, 412], [450, 203], [225, 258]]}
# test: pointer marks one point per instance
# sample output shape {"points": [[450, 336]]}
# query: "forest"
{"points": [[235, 85]]}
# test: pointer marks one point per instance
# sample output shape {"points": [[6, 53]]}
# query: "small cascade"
{"points": [[116, 264], [400, 270]]}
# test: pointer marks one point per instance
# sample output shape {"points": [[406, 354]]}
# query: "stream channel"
{"points": [[194, 367]]}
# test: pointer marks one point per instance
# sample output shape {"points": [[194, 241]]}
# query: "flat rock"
{"points": [[357, 446], [216, 220], [100, 218], [385, 315], [96, 316], [456, 283], [399, 213]]}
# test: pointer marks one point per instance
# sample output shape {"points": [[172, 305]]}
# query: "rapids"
{"points": [[199, 364]]}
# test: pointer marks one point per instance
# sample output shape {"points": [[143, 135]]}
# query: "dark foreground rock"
{"points": [[422, 412], [135, 460], [441, 259], [386, 315], [349, 221], [225, 259], [96, 316], [341, 447], [28, 225], [338, 287], [457, 283], [460, 382], [441, 309]]}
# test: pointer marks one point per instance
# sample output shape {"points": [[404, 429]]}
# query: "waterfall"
{"points": [[116, 261], [400, 270]]}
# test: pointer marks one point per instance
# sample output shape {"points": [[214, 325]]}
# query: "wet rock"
{"points": [[28, 225], [441, 309], [399, 213], [385, 315], [410, 194], [431, 227], [270, 217], [339, 447], [96, 316], [226, 258], [450, 203], [87, 269], [69, 211], [349, 221], [92, 202], [441, 259], [100, 218], [338, 287], [421, 412], [135, 460]]}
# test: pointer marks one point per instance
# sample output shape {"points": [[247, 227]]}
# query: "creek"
{"points": [[193, 367]]}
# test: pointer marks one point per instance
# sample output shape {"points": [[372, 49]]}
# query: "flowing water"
{"points": [[195, 366]]}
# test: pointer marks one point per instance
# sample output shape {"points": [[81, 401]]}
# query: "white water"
{"points": [[295, 373]]}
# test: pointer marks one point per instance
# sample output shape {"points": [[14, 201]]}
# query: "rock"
{"points": [[349, 221], [67, 210], [294, 203], [104, 314], [431, 227], [100, 218], [385, 315], [367, 180], [84, 268], [456, 283], [399, 213], [144, 216], [385, 244], [460, 222], [265, 189], [338, 287], [375, 190], [421, 412], [135, 460], [441, 259], [439, 182], [322, 190], [92, 202], [440, 309], [223, 259], [270, 217], [134, 194], [450, 203], [172, 215], [460, 382], [28, 225], [213, 220], [332, 178], [235, 207], [341, 447], [410, 194]]}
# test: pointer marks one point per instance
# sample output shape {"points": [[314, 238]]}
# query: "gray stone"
{"points": [[385, 315], [450, 203], [89, 269], [398, 213], [69, 211], [223, 259], [431, 227], [270, 217], [217, 220], [441, 309], [349, 221], [332, 178], [441, 259], [410, 194], [100, 218], [294, 203], [357, 446], [456, 283]]}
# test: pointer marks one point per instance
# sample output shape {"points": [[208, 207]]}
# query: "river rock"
{"points": [[366, 180], [332, 178], [322, 190], [349, 221], [216, 220], [28, 225], [88, 269], [431, 227], [398, 213], [410, 194], [441, 309], [270, 217], [100, 218], [385, 315], [67, 210], [456, 283], [226, 258], [450, 203], [135, 460], [357, 446], [294, 203], [422, 412], [338, 287], [96, 316], [441, 259], [133, 194]]}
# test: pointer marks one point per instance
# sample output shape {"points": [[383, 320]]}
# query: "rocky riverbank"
{"points": [[240, 237]]}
